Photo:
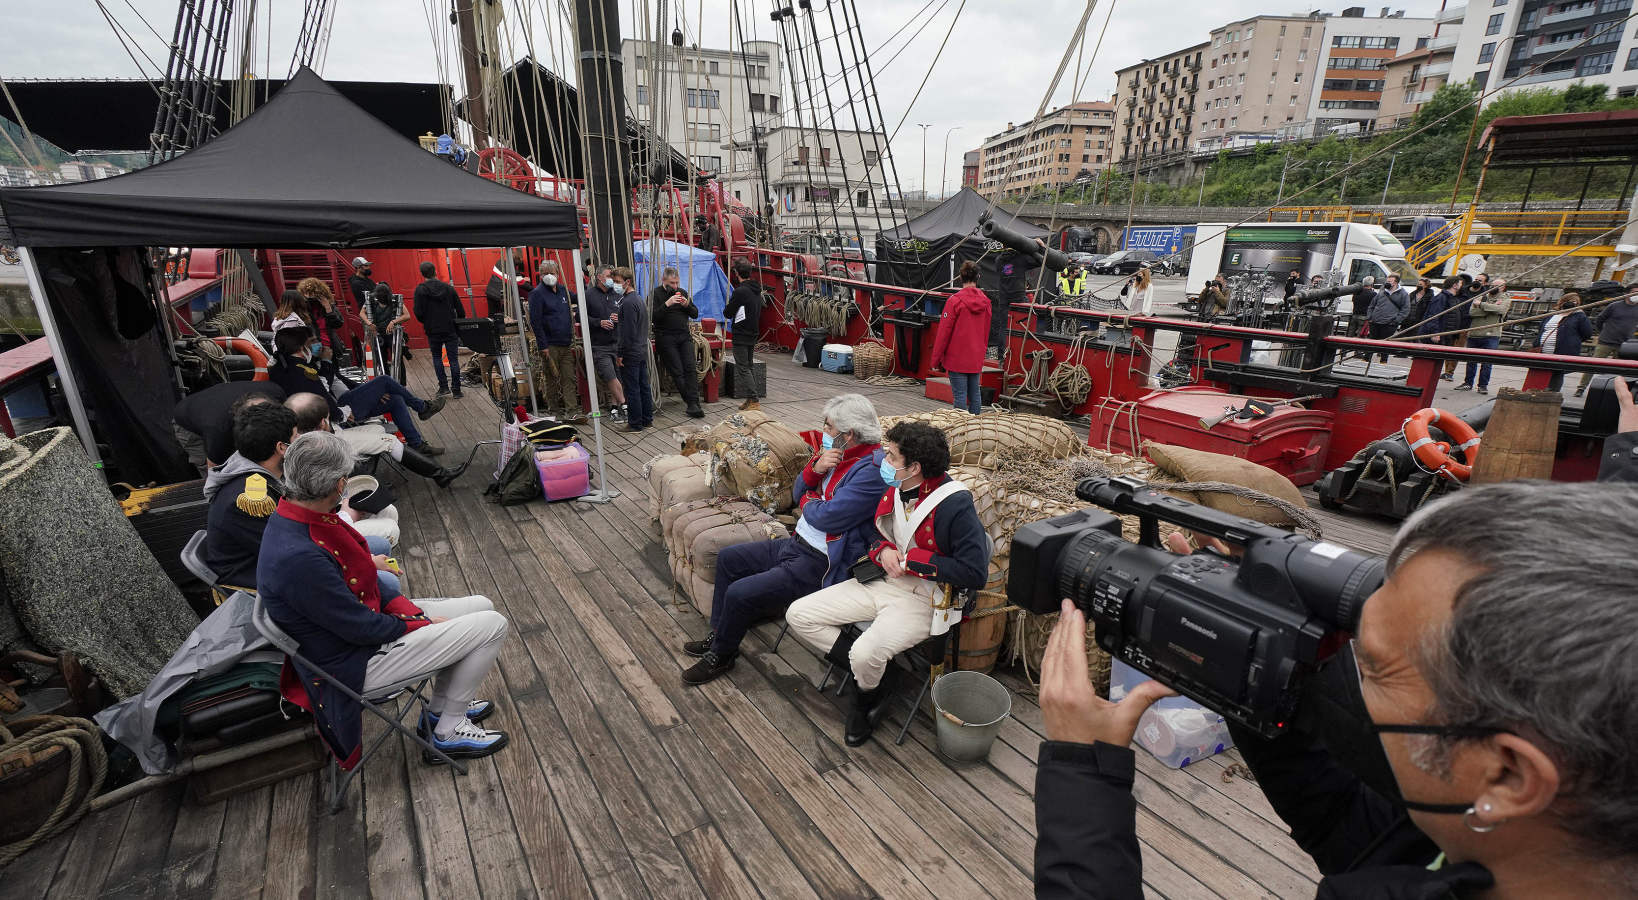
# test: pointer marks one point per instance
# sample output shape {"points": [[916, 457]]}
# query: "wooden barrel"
{"points": [[1521, 439], [982, 637]]}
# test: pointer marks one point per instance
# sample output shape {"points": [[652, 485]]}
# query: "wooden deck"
{"points": [[622, 782]]}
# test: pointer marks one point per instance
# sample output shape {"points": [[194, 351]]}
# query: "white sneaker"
{"points": [[468, 741]]}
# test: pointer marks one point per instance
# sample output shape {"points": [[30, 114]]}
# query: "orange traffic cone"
{"points": [[369, 358]]}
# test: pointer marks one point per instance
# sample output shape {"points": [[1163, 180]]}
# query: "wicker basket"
{"points": [[871, 359]]}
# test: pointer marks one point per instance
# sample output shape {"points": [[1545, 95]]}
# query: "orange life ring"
{"points": [[1436, 455], [246, 347]]}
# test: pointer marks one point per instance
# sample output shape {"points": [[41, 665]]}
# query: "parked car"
{"points": [[1083, 259], [850, 256], [1125, 262]]}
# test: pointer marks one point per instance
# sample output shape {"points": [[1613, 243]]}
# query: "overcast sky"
{"points": [[999, 59]]}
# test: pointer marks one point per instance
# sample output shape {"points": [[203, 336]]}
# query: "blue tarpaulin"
{"points": [[704, 280]]}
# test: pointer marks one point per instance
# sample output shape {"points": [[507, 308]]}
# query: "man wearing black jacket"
{"points": [[437, 306], [1499, 787], [672, 310], [744, 315], [631, 344], [603, 307]]}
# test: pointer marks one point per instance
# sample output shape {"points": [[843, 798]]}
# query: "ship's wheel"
{"points": [[507, 167]]}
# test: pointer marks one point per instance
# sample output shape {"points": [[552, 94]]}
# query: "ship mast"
{"points": [[602, 130]]}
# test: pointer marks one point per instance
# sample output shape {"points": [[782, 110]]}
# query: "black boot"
{"points": [[697, 648], [837, 655], [425, 467], [710, 666], [863, 715]]}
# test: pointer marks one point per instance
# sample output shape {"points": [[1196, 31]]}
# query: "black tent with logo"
{"points": [[926, 252]]}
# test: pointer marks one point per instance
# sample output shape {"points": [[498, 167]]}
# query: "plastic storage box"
{"points": [[566, 473], [1177, 731], [837, 358]]}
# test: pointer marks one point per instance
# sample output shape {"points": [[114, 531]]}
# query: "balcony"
{"points": [[1435, 69], [1151, 76], [1193, 66], [1541, 78], [1419, 97], [1568, 15], [1451, 14], [1550, 45], [1446, 41]]}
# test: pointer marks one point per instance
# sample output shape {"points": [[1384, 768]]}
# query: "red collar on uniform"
{"points": [[296, 513]]}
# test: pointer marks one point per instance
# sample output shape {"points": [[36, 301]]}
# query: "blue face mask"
{"points": [[826, 442], [619, 289], [890, 475], [608, 284], [315, 348]]}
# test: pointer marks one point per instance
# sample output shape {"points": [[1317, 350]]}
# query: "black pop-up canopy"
{"points": [[308, 168], [926, 252]]}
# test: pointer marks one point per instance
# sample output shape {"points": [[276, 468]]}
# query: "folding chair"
{"points": [[338, 779], [193, 558]]}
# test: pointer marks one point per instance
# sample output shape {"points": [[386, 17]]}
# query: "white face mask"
{"points": [[619, 288], [550, 280]]}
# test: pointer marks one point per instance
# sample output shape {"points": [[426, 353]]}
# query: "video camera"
{"points": [[1602, 412], [1240, 636]]}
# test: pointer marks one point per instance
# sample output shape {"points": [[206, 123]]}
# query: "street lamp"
{"points": [[944, 179], [923, 158]]}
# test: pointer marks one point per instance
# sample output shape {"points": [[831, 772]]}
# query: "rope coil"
{"points": [[82, 741]]}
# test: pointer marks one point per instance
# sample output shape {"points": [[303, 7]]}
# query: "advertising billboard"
{"points": [[1162, 239], [1310, 249]]}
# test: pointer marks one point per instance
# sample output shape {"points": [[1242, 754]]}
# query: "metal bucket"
{"points": [[971, 707]]}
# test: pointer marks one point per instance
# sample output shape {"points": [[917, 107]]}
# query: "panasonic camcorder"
{"points": [[1241, 636]]}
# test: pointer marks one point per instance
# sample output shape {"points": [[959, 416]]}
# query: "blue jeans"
{"points": [[756, 581], [964, 388], [639, 398], [1480, 343], [383, 394], [390, 585], [438, 344]]}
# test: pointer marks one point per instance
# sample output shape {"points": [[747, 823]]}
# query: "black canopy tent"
{"points": [[926, 252], [309, 168]]}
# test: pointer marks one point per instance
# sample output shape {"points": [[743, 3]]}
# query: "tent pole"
{"points": [[523, 333], [603, 494], [65, 369]]}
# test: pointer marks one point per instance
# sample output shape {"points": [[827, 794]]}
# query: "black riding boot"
{"points": [[863, 714], [837, 655], [426, 467]]}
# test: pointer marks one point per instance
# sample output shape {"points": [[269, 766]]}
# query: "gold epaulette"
{"points": [[255, 501]]}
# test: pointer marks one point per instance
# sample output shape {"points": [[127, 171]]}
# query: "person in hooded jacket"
{"points": [[963, 333], [1563, 333]]}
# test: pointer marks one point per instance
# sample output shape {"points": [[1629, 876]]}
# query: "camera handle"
{"points": [[1129, 496]]}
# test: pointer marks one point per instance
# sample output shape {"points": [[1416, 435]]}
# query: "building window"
{"points": [[872, 158], [1302, 56], [714, 69], [1487, 52], [1307, 30], [861, 199], [1293, 100], [1605, 33], [802, 155], [1610, 6], [1494, 27], [1632, 59], [824, 157], [1297, 78], [1282, 31], [1596, 63], [709, 163], [642, 95]]}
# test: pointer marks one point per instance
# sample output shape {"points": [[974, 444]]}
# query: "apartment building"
{"points": [[1258, 78], [969, 169], [1531, 43], [700, 99], [829, 181], [1353, 74], [1155, 104], [1062, 145]]}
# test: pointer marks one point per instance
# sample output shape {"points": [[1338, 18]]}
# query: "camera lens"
{"points": [[1080, 562], [1334, 581]]}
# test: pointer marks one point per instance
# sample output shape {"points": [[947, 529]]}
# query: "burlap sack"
{"points": [[707, 542], [681, 486], [1192, 465], [719, 511], [941, 419], [700, 593], [737, 424], [976, 440], [761, 465], [670, 516], [656, 471]]}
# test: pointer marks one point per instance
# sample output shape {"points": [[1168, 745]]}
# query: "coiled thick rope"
{"points": [[81, 740]]}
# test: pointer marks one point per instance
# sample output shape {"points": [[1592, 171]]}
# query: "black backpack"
{"points": [[518, 481]]}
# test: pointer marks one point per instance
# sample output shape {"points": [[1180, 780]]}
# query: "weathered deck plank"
{"points": [[620, 781]]}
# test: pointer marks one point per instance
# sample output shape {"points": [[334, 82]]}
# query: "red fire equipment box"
{"points": [[1290, 440]]}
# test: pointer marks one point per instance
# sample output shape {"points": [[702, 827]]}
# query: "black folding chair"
{"points": [[338, 779]]}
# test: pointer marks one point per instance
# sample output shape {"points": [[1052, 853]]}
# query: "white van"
{"points": [[1354, 249]]}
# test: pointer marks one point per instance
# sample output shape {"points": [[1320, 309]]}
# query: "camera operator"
{"points": [[1621, 449], [1499, 682]]}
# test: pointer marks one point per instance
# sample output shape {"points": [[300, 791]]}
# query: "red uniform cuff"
{"points": [[876, 551], [919, 561]]}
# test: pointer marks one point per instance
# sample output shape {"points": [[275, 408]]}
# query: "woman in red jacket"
{"points": [[963, 335]]}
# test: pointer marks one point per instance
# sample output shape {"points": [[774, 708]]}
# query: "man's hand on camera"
{"points": [[1072, 709], [1629, 411]]}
